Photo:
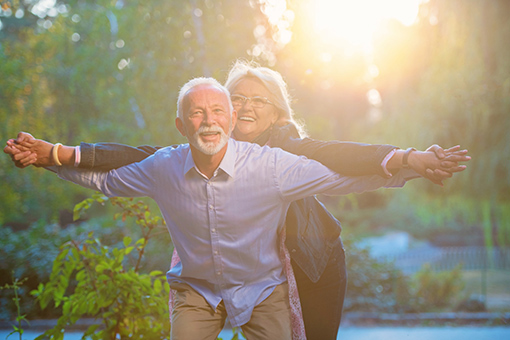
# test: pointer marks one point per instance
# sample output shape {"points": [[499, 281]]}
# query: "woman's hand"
{"points": [[437, 164]]}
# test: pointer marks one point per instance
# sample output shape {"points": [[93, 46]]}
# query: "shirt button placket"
{"points": [[214, 235]]}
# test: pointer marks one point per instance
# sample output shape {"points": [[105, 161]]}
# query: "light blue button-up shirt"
{"points": [[225, 228]]}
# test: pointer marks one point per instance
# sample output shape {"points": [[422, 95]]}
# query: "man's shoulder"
{"points": [[173, 151], [252, 150]]}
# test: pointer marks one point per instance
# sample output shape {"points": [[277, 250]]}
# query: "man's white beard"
{"points": [[209, 148]]}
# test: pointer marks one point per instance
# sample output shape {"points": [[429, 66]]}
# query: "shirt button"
{"points": [[213, 230], [218, 273], [211, 207], [215, 252]]}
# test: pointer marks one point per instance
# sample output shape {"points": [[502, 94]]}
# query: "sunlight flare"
{"points": [[354, 22]]}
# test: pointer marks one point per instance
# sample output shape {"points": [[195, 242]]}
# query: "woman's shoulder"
{"points": [[281, 133]]}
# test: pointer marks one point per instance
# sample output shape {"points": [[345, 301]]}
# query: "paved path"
{"points": [[367, 333], [424, 333]]}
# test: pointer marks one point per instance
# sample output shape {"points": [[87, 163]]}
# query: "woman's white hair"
{"points": [[194, 83], [273, 81]]}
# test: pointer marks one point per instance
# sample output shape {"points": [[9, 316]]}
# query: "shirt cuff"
{"points": [[77, 156], [385, 162]]}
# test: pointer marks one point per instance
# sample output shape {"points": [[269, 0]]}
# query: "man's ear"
{"points": [[180, 126]]}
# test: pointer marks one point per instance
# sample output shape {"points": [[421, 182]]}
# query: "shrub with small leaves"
{"points": [[128, 303], [437, 289]]}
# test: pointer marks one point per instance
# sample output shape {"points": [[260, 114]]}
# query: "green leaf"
{"points": [[103, 277], [100, 268], [127, 241], [157, 287]]}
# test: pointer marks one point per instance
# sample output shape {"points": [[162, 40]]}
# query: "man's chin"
{"points": [[210, 148]]}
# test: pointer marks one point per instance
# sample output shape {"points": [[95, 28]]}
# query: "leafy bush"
{"points": [[435, 290], [129, 304], [373, 285], [89, 279], [378, 286], [30, 254]]}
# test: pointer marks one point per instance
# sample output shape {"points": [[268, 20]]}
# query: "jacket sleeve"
{"points": [[108, 156], [346, 158]]}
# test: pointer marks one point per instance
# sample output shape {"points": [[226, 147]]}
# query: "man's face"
{"points": [[253, 120], [206, 119]]}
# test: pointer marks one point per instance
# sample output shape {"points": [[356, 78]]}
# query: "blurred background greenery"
{"points": [[408, 73]]}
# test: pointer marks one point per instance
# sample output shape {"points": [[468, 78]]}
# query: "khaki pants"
{"points": [[194, 319]]}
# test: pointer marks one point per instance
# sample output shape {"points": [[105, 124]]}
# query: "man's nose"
{"points": [[209, 119]]}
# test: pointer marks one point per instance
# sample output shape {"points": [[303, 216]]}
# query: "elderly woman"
{"points": [[312, 240]]}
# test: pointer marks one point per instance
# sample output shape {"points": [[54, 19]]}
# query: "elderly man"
{"points": [[224, 203]]}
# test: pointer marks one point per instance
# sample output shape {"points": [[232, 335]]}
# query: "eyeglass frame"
{"points": [[250, 99]]}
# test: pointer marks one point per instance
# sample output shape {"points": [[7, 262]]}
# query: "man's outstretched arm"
{"points": [[25, 150]]}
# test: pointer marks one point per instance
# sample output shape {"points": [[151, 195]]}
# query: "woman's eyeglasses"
{"points": [[256, 101]]}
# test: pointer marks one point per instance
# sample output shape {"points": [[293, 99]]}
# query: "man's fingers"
{"points": [[24, 136], [21, 155], [9, 150], [26, 145], [30, 159]]}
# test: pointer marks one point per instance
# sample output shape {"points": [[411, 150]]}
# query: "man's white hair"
{"points": [[197, 82]]}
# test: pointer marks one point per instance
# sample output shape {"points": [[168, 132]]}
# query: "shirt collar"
{"points": [[227, 163]]}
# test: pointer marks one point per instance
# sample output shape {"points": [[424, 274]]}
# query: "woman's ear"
{"points": [[276, 116]]}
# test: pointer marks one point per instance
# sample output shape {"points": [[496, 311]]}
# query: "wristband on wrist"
{"points": [[54, 154], [405, 158], [77, 156]]}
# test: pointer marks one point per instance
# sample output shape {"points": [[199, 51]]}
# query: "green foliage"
{"points": [[15, 286], [105, 71], [378, 286], [90, 279], [435, 290], [128, 303], [454, 88], [30, 254], [444, 80], [374, 285]]}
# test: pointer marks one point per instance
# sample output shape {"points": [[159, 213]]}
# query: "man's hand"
{"points": [[20, 155], [25, 150]]}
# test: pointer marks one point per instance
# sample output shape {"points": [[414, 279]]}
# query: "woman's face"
{"points": [[252, 121]]}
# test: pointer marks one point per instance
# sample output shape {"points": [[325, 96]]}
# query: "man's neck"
{"points": [[207, 164]]}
